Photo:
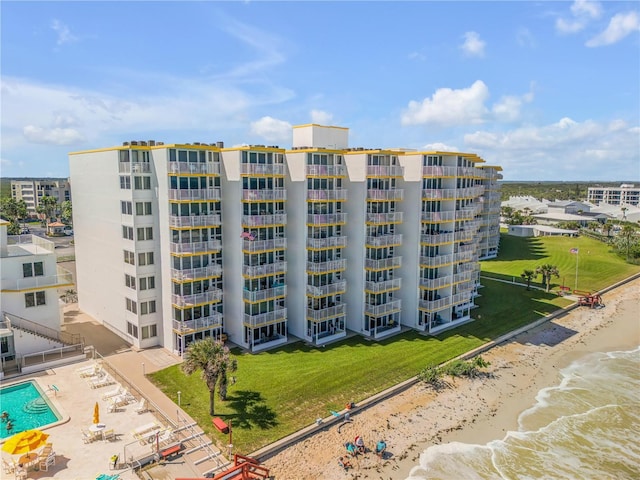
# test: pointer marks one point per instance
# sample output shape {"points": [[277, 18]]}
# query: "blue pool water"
{"points": [[28, 407]]}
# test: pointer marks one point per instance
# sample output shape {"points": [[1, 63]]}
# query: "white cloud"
{"points": [[417, 56], [583, 11], [321, 117], [619, 27], [63, 31], [508, 108], [52, 136], [473, 46], [272, 129], [448, 107], [586, 8], [525, 38], [439, 147], [569, 26]]}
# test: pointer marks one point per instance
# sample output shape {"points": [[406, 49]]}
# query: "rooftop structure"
{"points": [[626, 193]]}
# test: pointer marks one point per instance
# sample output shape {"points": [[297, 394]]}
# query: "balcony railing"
{"points": [[61, 279], [384, 218], [326, 290], [464, 235], [438, 217], [265, 318], [329, 242], [128, 167], [439, 193], [385, 171], [211, 296], [324, 267], [461, 257], [437, 171], [194, 168], [210, 194], [327, 219], [279, 194], [383, 264], [27, 240], [189, 326], [441, 303], [385, 286], [255, 246], [258, 220], [384, 241], [248, 169], [470, 172], [436, 239], [196, 273], [471, 192], [196, 247], [195, 221], [384, 309], [326, 171], [327, 195], [263, 270], [263, 295], [437, 261], [330, 312], [395, 194]]}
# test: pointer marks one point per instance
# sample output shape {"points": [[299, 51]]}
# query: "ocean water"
{"points": [[587, 427]]}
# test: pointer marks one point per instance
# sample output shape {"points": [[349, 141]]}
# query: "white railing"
{"points": [[326, 170], [384, 218], [329, 312], [212, 321], [195, 273], [195, 194], [128, 167], [437, 171], [261, 169], [264, 245], [325, 290], [384, 240], [211, 296], [435, 305], [262, 270], [196, 247], [264, 195], [470, 192], [34, 240], [258, 220], [436, 239], [439, 193], [327, 219], [379, 310], [437, 261], [330, 242], [329, 195], [265, 318], [262, 295], [385, 171], [62, 278], [385, 195], [194, 168], [465, 256], [323, 267], [194, 220], [383, 263], [437, 217], [385, 286]]}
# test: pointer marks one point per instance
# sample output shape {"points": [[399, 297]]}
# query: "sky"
{"points": [[548, 90]]}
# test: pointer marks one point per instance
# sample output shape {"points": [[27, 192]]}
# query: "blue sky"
{"points": [[548, 90]]}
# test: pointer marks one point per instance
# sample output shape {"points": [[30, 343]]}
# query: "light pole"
{"points": [[179, 393], [143, 373]]}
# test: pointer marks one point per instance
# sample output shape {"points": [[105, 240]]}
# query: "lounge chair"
{"points": [[89, 369], [102, 382], [113, 393], [166, 437], [8, 467], [47, 461], [140, 432], [108, 435], [87, 437], [141, 407]]}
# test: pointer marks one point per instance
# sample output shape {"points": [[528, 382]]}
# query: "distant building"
{"points": [[539, 231], [31, 190], [626, 193]]}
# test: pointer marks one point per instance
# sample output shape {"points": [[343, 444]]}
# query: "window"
{"points": [[148, 307], [143, 208], [147, 283], [132, 306], [145, 258], [127, 232], [145, 233], [35, 269], [129, 257], [34, 299], [132, 329], [125, 182], [130, 281], [142, 183], [125, 208], [149, 331]]}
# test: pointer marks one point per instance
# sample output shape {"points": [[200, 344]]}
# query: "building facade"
{"points": [[32, 190], [265, 245], [624, 194]]}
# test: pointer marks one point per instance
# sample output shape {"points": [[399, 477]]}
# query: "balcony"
{"points": [[324, 267], [326, 171], [438, 217], [326, 290], [256, 246], [441, 303], [383, 286], [384, 309], [62, 279], [338, 310], [212, 296], [263, 220], [437, 261], [28, 245], [470, 172], [327, 219], [210, 271], [279, 194], [264, 295], [385, 171], [128, 167], [468, 213], [261, 169], [395, 194], [267, 318], [194, 221], [384, 218], [384, 241], [264, 270], [324, 243], [464, 235], [326, 195], [208, 194], [196, 247], [436, 239], [203, 323], [383, 264], [187, 168], [437, 171], [461, 257], [471, 192]]}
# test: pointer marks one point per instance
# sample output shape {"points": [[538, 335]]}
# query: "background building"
{"points": [[32, 190], [624, 194], [179, 242]]}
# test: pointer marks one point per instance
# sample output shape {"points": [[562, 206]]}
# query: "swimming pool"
{"points": [[28, 407]]}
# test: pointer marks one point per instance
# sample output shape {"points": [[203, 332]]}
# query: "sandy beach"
{"points": [[470, 411]]}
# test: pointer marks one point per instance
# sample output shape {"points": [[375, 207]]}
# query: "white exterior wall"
{"points": [[320, 136]]}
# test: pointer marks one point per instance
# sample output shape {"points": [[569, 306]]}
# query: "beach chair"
{"points": [[141, 407], [95, 371], [87, 368], [87, 437], [113, 393], [8, 467], [166, 437], [109, 435], [48, 461], [102, 382]]}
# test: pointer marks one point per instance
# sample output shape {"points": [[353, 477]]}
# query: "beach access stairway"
{"points": [[18, 323]]}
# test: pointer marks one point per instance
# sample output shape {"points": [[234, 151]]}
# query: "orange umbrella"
{"points": [[25, 442], [96, 413]]}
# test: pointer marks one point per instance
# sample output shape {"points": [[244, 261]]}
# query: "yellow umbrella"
{"points": [[25, 442], [96, 413]]}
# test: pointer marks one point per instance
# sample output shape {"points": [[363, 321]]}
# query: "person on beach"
{"points": [[344, 463], [351, 448], [381, 446], [4, 416], [360, 444]]}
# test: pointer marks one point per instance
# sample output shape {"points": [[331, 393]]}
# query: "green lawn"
{"points": [[281, 391]]}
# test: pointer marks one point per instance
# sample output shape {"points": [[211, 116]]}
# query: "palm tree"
{"points": [[547, 271], [48, 207], [528, 275], [626, 239], [214, 360]]}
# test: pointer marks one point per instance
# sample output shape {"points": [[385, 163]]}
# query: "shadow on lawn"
{"points": [[251, 410], [520, 248]]}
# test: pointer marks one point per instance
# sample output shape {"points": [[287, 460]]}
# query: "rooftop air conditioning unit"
{"points": [[160, 143], [152, 143], [125, 144], [220, 144], [133, 142], [143, 143]]}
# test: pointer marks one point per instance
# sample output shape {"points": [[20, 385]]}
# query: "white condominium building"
{"points": [[265, 245], [624, 194], [32, 190]]}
